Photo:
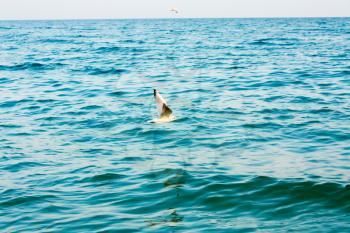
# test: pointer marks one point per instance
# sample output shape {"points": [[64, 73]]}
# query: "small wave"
{"points": [[305, 99], [114, 49], [30, 66], [26, 200], [117, 93], [91, 107], [103, 177], [266, 194], [275, 41], [103, 71], [22, 165], [109, 49], [133, 41], [50, 118], [47, 101], [156, 132], [10, 126], [5, 80], [56, 41], [12, 103], [76, 113], [269, 125]]}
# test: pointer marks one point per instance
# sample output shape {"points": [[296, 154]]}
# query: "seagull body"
{"points": [[165, 113], [174, 10]]}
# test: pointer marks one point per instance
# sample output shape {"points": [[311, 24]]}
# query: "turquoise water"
{"points": [[261, 141]]}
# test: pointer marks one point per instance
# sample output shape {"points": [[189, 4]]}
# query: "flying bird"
{"points": [[165, 113], [174, 10]]}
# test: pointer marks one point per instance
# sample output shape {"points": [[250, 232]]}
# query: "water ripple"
{"points": [[260, 141]]}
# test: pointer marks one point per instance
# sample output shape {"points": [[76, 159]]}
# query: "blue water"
{"points": [[261, 141]]}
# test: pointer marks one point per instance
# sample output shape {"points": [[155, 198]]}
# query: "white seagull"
{"points": [[174, 10], [165, 113]]}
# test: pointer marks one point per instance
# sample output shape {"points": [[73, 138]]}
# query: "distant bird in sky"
{"points": [[174, 10]]}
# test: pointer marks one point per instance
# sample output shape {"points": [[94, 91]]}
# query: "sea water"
{"points": [[261, 140]]}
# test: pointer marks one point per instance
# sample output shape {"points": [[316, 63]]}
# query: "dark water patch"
{"points": [[34, 66], [133, 159], [110, 49], [274, 98], [235, 67], [103, 71], [51, 118], [264, 194], [55, 41], [132, 132], [275, 41], [264, 125], [344, 73], [179, 142], [117, 93], [26, 200], [328, 135], [102, 125], [321, 110], [103, 177], [10, 126], [47, 101], [91, 107], [84, 139], [65, 89], [133, 41], [305, 99], [91, 92], [97, 151], [76, 113], [22, 166], [54, 209], [270, 84], [5, 80], [85, 169], [13, 103], [123, 50], [156, 132], [228, 144], [24, 134], [277, 111]]}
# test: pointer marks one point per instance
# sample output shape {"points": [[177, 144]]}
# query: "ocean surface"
{"points": [[261, 141]]}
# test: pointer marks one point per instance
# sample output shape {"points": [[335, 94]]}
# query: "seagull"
{"points": [[165, 113], [174, 10]]}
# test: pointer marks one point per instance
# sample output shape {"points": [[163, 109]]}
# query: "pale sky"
{"points": [[114, 9]]}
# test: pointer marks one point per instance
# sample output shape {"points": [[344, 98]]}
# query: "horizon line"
{"points": [[169, 18]]}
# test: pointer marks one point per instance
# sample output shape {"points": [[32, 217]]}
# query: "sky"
{"points": [[114, 9]]}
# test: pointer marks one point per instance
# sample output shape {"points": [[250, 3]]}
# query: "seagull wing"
{"points": [[162, 106], [166, 111]]}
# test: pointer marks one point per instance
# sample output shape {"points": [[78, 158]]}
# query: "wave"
{"points": [[102, 178], [12, 103], [35, 66], [102, 71], [109, 49], [56, 41], [22, 165], [113, 49], [275, 41], [255, 194], [133, 41], [26, 200], [117, 93]]}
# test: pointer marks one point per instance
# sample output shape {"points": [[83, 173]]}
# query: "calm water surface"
{"points": [[261, 141]]}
